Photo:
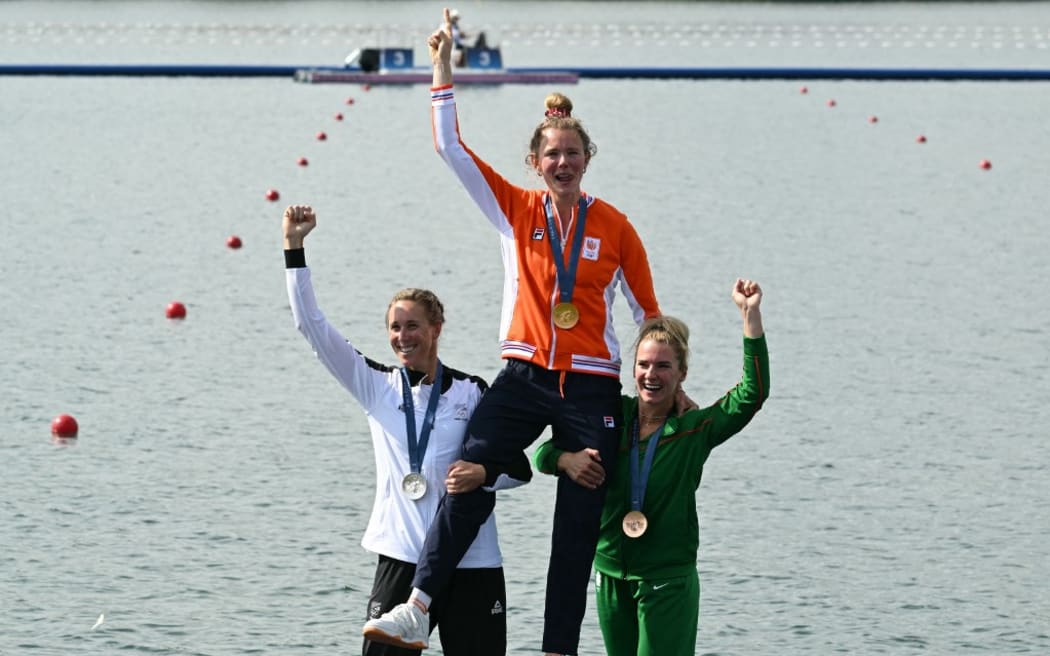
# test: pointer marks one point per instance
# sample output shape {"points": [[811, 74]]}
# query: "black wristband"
{"points": [[294, 258]]}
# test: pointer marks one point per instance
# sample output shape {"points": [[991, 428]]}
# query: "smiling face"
{"points": [[412, 337], [561, 160], [657, 374]]}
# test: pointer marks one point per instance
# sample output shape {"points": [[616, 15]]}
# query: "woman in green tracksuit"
{"points": [[648, 589]]}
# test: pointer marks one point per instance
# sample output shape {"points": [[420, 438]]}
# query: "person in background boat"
{"points": [[562, 366], [460, 39], [646, 583], [417, 414]]}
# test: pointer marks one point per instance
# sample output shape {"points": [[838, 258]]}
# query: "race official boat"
{"points": [[395, 66]]}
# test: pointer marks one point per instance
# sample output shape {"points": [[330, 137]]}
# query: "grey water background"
{"points": [[892, 496]]}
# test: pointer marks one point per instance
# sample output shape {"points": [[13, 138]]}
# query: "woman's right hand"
{"points": [[298, 221], [463, 476], [440, 43], [583, 467]]}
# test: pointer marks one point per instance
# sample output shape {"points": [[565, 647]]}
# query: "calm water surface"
{"points": [[892, 496]]}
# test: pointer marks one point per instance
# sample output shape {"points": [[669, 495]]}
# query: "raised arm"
{"points": [[732, 412], [748, 296], [440, 44], [329, 345], [494, 195]]}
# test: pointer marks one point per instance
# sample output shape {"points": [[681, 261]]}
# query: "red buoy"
{"points": [[366, 87], [233, 241], [302, 161], [64, 426], [985, 164], [175, 310], [832, 103], [338, 116], [804, 90], [921, 138], [349, 101], [321, 136], [873, 119], [272, 195]]}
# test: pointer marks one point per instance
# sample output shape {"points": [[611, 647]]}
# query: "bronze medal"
{"points": [[566, 315], [634, 524], [414, 486]]}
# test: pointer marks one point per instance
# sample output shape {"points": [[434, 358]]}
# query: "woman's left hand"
{"points": [[747, 294], [682, 402]]}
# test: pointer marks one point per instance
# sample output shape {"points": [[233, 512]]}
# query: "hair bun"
{"points": [[558, 106]]}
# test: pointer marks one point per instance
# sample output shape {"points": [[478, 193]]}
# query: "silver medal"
{"points": [[414, 486]]}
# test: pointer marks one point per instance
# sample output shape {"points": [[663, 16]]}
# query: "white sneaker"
{"points": [[404, 625]]}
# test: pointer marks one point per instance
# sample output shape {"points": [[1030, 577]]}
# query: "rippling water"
{"points": [[891, 497]]}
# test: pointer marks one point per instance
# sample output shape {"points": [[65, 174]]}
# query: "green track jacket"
{"points": [[669, 546]]}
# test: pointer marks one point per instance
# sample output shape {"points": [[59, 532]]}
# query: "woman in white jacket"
{"points": [[417, 413]]}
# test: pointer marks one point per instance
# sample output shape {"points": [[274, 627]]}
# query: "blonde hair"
{"points": [[432, 307], [670, 331], [559, 116]]}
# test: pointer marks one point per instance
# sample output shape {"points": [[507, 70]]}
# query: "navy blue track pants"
{"points": [[583, 411]]}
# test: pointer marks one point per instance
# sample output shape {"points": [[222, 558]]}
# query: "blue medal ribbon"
{"points": [[566, 273], [416, 450], [639, 479]]}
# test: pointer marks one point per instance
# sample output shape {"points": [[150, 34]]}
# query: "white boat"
{"points": [[396, 66]]}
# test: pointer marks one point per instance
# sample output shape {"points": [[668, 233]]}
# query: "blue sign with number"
{"points": [[396, 58], [484, 58]]}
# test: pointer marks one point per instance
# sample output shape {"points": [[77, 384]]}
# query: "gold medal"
{"points": [[414, 486], [566, 315], [635, 523]]}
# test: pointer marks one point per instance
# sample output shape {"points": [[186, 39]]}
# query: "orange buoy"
{"points": [[985, 164], [64, 426], [302, 161], [175, 310], [233, 241], [338, 116], [921, 138], [272, 195], [321, 136]]}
